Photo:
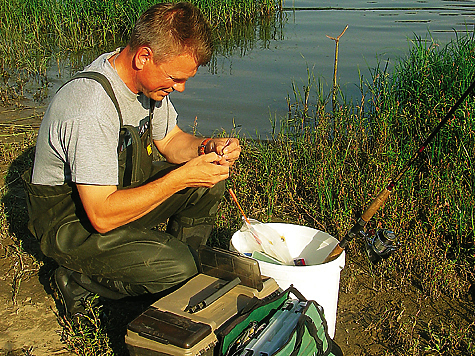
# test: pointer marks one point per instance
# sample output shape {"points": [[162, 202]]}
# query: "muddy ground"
{"points": [[374, 316]]}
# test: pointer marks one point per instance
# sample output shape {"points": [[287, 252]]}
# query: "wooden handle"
{"points": [[334, 254], [375, 205]]}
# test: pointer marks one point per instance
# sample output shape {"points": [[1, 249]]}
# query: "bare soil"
{"points": [[374, 316]]}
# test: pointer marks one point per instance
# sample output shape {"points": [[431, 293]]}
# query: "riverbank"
{"points": [[378, 312]]}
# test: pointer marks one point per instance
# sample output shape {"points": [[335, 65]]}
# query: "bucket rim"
{"points": [[339, 260]]}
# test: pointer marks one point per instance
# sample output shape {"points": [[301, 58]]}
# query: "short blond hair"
{"points": [[172, 29]]}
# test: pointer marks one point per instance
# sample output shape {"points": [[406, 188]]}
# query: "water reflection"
{"points": [[243, 38], [238, 41]]}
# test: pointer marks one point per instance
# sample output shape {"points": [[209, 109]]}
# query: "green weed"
{"points": [[33, 32], [84, 334], [37, 35], [312, 174]]}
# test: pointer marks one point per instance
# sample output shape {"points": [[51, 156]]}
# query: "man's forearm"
{"points": [[108, 208], [179, 147]]}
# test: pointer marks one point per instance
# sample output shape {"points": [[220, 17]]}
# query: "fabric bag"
{"points": [[309, 335]]}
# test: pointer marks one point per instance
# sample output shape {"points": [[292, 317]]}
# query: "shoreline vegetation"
{"points": [[320, 169], [34, 32], [39, 35]]}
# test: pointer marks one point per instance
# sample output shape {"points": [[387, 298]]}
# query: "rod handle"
{"points": [[367, 215], [375, 205], [337, 250]]}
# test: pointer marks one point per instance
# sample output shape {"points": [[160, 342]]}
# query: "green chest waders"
{"points": [[132, 259], [50, 206]]}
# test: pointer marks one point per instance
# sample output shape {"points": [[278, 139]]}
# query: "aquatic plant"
{"points": [[34, 31]]}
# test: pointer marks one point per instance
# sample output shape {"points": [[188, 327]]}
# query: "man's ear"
{"points": [[142, 56]]}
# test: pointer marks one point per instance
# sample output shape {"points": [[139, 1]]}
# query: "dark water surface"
{"points": [[249, 91]]}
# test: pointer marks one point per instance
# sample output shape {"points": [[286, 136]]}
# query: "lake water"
{"points": [[248, 91]]}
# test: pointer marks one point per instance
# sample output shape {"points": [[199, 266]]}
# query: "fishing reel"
{"points": [[380, 244]]}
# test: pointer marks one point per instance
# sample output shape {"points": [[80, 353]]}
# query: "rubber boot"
{"points": [[119, 288], [100, 289], [75, 288], [72, 294]]}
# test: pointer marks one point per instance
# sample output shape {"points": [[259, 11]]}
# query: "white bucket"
{"points": [[316, 281]]}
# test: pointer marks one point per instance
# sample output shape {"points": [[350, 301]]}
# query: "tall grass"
{"points": [[33, 31], [422, 89], [313, 175], [36, 36]]}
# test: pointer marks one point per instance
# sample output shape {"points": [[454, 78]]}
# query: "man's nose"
{"points": [[179, 87]]}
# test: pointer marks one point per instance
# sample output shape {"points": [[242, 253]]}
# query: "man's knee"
{"points": [[153, 275], [182, 269], [135, 261]]}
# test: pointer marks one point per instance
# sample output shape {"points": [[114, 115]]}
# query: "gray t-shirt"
{"points": [[79, 134]]}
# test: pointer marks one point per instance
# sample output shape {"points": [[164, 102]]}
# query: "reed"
{"points": [[34, 31], [311, 176]]}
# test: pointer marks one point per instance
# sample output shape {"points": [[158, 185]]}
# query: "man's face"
{"points": [[157, 80]]}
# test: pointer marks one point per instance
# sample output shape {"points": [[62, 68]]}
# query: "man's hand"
{"points": [[202, 171], [180, 147], [228, 150], [108, 208]]}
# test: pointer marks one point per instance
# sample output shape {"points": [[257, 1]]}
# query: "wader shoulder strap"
{"points": [[128, 155], [102, 80], [152, 107], [150, 118]]}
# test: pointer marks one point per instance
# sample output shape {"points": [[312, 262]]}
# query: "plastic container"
{"points": [[316, 281]]}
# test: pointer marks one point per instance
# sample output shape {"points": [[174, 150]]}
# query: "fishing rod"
{"points": [[383, 242]]}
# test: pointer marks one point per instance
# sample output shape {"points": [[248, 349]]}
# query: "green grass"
{"points": [[441, 192], [38, 37], [85, 335], [312, 175], [34, 32]]}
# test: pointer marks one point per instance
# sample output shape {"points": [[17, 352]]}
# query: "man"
{"points": [[95, 196]]}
